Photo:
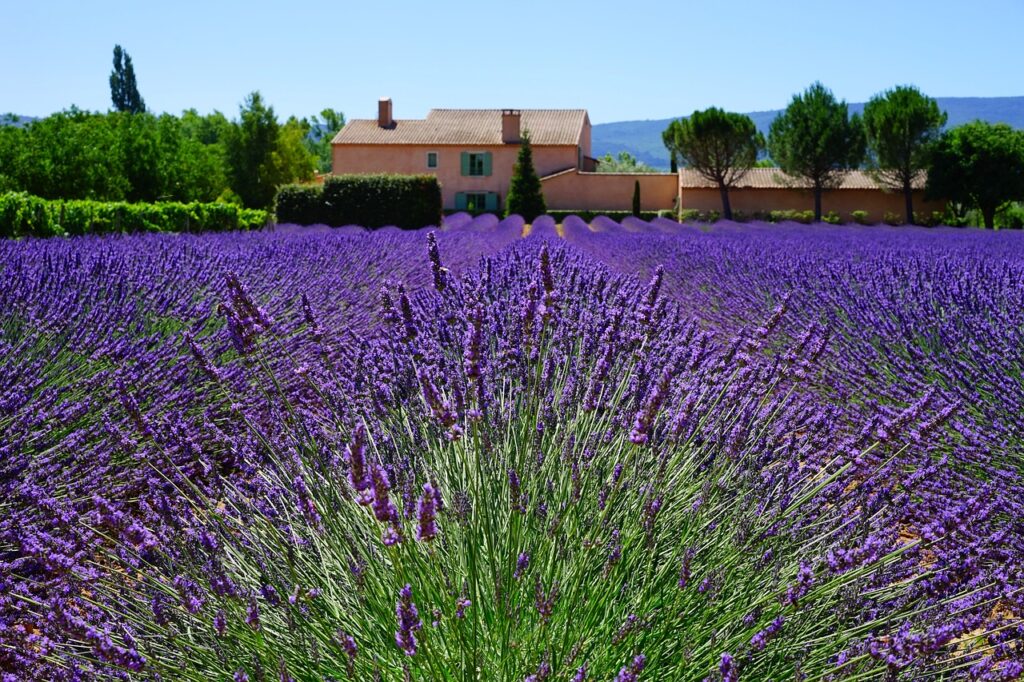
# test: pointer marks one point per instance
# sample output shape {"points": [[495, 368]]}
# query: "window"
{"points": [[476, 163], [476, 201], [431, 159]]}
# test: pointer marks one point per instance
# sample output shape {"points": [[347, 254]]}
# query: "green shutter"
{"points": [[465, 164], [460, 197], [492, 200], [487, 163]]}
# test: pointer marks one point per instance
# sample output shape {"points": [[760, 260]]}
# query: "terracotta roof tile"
{"points": [[772, 178], [467, 127]]}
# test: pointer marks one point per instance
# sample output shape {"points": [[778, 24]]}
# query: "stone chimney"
{"points": [[384, 116], [510, 126]]}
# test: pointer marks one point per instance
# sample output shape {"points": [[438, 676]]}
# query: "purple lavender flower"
{"points": [[408, 621], [545, 602], [348, 644], [383, 508], [358, 471], [760, 640], [426, 512], [220, 623], [727, 668], [252, 616], [437, 270], [522, 565], [631, 673]]}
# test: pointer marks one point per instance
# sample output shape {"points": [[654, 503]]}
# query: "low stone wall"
{"points": [[575, 190]]}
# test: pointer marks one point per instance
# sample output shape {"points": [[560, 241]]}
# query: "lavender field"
{"points": [[636, 451]]}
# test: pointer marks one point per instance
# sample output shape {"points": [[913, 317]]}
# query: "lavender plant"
{"points": [[530, 466]]}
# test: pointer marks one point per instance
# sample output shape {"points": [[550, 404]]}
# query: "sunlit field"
{"points": [[493, 451]]}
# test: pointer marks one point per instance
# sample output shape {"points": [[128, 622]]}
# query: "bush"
{"points": [[587, 216], [832, 218], [892, 218], [1010, 217], [805, 217], [23, 215], [693, 215], [932, 219], [406, 201], [300, 204], [860, 217]]}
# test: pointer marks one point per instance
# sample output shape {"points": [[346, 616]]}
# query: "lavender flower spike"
{"points": [[408, 621]]}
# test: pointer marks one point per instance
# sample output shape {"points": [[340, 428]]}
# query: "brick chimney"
{"points": [[384, 117], [510, 126]]}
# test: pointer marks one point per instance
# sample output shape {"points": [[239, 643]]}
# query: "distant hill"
{"points": [[15, 120], [642, 139]]}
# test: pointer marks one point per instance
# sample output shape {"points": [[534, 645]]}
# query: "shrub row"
{"points": [[807, 217], [24, 215], [587, 216], [406, 201]]}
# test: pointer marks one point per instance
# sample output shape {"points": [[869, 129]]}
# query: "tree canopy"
{"points": [[322, 130], [901, 126], [123, 156], [721, 146], [124, 91], [524, 192], [980, 165], [262, 154], [623, 162], [815, 139]]}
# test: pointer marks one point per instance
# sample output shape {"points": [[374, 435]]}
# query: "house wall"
{"points": [[412, 159], [749, 200], [609, 191]]}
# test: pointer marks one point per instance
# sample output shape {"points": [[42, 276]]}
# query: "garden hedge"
{"points": [[406, 201], [24, 215]]}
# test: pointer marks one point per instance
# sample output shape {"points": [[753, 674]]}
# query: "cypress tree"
{"points": [[123, 89], [636, 198], [524, 193]]}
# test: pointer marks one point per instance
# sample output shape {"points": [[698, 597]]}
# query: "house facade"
{"points": [[471, 151]]}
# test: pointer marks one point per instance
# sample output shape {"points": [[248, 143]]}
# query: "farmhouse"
{"points": [[472, 151]]}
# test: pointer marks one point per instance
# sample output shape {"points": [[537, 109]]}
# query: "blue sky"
{"points": [[620, 60]]}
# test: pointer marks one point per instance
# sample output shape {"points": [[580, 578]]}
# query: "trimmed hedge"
{"points": [[587, 216], [24, 215], [406, 201], [301, 205]]}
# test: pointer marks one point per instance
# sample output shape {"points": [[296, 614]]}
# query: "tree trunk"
{"points": [[817, 203], [989, 214], [908, 197], [726, 208]]}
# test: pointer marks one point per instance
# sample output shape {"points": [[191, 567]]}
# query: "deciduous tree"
{"points": [[623, 162], [980, 165], [719, 145], [322, 130], [900, 127], [816, 140]]}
